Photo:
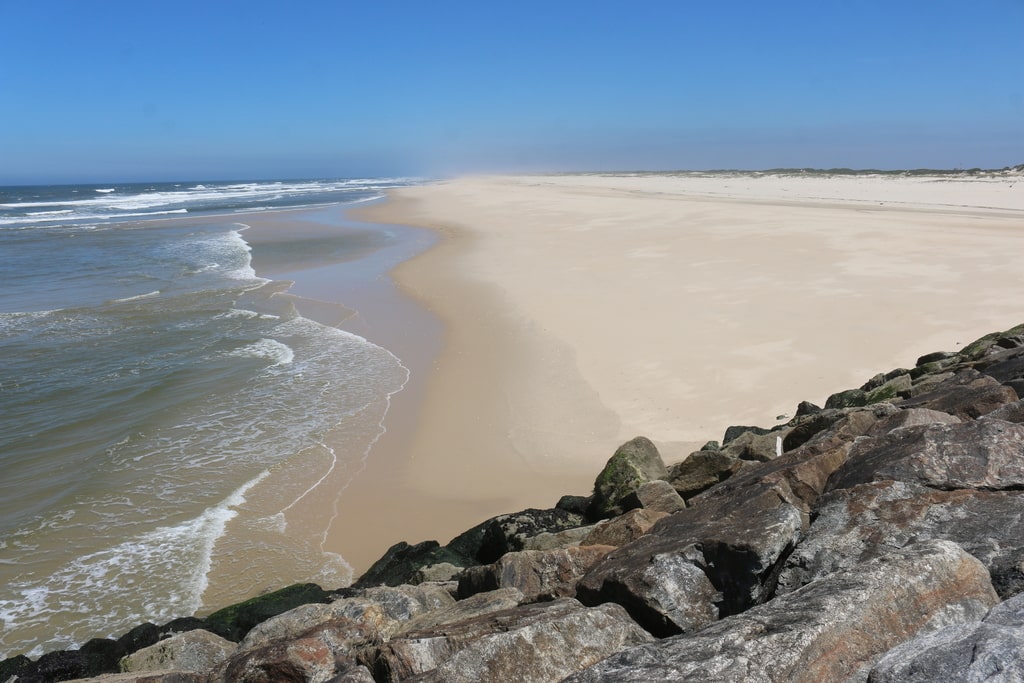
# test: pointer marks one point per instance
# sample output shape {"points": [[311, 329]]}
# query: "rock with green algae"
{"points": [[235, 621], [634, 463]]}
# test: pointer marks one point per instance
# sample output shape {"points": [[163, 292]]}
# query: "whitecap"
{"points": [[270, 349]]}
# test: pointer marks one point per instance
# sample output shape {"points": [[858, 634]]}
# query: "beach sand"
{"points": [[581, 311]]}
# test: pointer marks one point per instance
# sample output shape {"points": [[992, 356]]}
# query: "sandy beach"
{"points": [[580, 311]]}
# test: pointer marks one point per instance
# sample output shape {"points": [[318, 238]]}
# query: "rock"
{"points": [[402, 603], [560, 539], [911, 417], [623, 529], [96, 656], [402, 561], [473, 606], [711, 559], [936, 356], [968, 394], [753, 446], [993, 343], [985, 651], [856, 524], [1004, 367], [634, 463], [981, 454], [317, 654], [19, 665], [1011, 412], [851, 398], [304, 617], [806, 408], [434, 573], [508, 533], [828, 630], [734, 432], [143, 677], [700, 471], [530, 643], [927, 382], [235, 621], [658, 496], [576, 504], [196, 650], [711, 446], [541, 574], [895, 387], [807, 427]]}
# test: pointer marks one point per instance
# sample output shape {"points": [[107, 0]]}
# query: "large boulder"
{"points": [[635, 462], [856, 524], [476, 605], [981, 454], [511, 532], [968, 394], [401, 563], [715, 558], [623, 529], [196, 650], [988, 651], [234, 622], [531, 643], [701, 470], [830, 630], [537, 574], [657, 495]]}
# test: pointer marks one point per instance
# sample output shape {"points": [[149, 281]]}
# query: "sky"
{"points": [[223, 89]]}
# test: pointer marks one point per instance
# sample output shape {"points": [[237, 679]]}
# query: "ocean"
{"points": [[163, 407]]}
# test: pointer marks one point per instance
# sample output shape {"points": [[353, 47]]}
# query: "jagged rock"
{"points": [[144, 677], [700, 471], [95, 657], [851, 398], [883, 378], [538, 574], [856, 524], [754, 446], [981, 652], [828, 630], [935, 356], [317, 654], [196, 650], [623, 529], [983, 454], [402, 561], [807, 427], [530, 643], [911, 417], [806, 408], [19, 665], [509, 533], [714, 558], [576, 504], [711, 446], [928, 382], [470, 607], [897, 387], [734, 432], [560, 539], [968, 394], [1004, 367], [304, 617], [434, 573], [634, 463], [1011, 412], [993, 343], [235, 621], [658, 496], [404, 602]]}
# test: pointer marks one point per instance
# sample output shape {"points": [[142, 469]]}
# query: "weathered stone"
{"points": [[577, 504], [926, 382], [853, 525], [700, 471], [806, 408], [196, 650], [893, 388], [804, 428], [623, 529], [560, 539], [982, 454], [478, 579], [473, 606], [968, 394], [829, 630], [993, 343], [714, 558], [444, 571], [546, 574], [634, 463], [1004, 366], [657, 495], [935, 356], [735, 431], [402, 561], [509, 533], [530, 643], [143, 677], [234, 622], [96, 656], [1011, 412], [711, 446], [851, 398], [318, 654], [911, 417], [757, 447], [982, 652], [304, 617], [404, 602]]}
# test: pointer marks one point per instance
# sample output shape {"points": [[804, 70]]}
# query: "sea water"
{"points": [[154, 388]]}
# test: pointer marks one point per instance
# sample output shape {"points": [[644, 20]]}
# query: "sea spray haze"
{"points": [[162, 407]]}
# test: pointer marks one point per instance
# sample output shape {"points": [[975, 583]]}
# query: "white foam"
{"points": [[271, 349], [148, 295], [106, 190]]}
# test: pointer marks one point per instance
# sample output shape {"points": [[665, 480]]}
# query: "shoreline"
{"points": [[582, 311]]}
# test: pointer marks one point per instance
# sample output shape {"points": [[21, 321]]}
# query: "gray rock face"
{"points": [[700, 471], [319, 654], [401, 563], [190, 651], [981, 454], [531, 643], [984, 652], [827, 631], [715, 557], [968, 395], [754, 446], [509, 533], [657, 495], [560, 539], [853, 525], [1011, 412], [474, 606], [634, 463], [623, 529], [546, 574]]}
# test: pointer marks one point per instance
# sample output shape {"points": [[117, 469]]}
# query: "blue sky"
{"points": [[110, 90]]}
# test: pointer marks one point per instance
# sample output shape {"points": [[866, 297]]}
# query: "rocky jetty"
{"points": [[879, 538]]}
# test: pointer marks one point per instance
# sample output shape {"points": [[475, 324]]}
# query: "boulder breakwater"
{"points": [[878, 538]]}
